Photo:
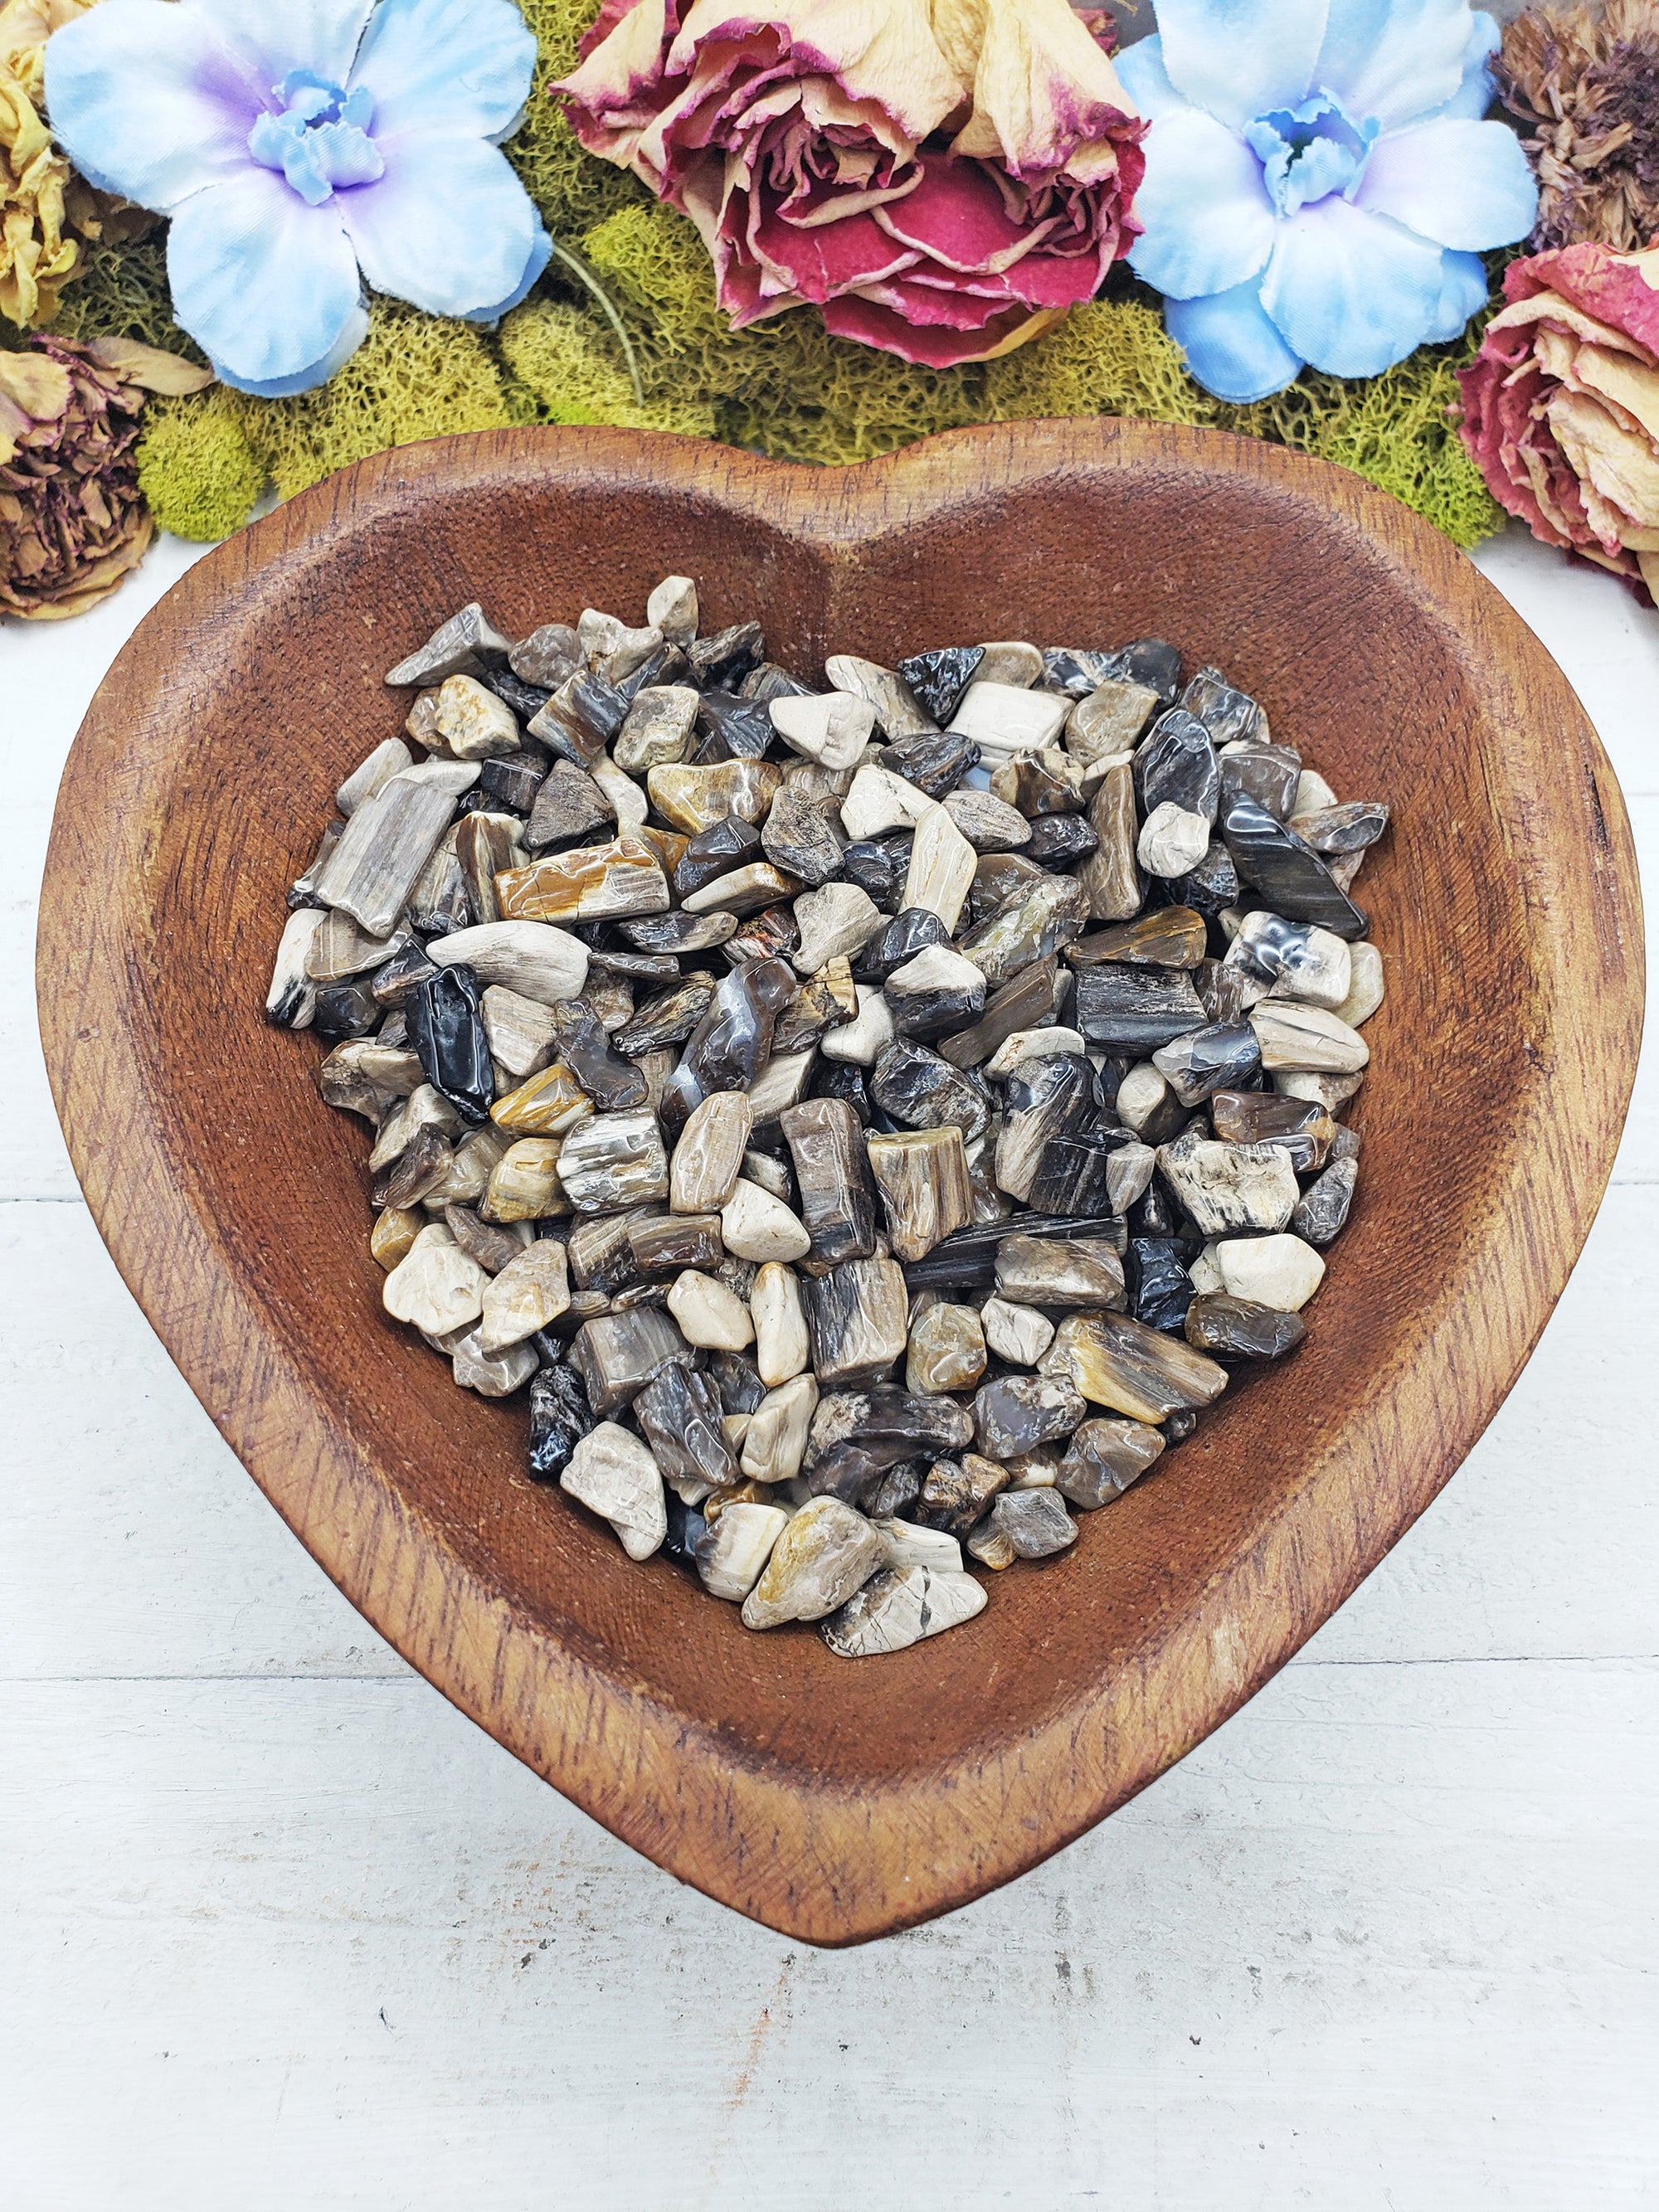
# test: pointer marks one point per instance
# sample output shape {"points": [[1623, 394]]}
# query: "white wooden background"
{"points": [[285, 1931]]}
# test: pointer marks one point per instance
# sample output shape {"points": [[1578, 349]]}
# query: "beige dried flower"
{"points": [[1586, 82], [72, 519]]}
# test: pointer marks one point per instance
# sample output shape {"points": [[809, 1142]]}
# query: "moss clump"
{"points": [[121, 291], [784, 386], [413, 376], [571, 364], [195, 467], [572, 189], [1105, 359]]}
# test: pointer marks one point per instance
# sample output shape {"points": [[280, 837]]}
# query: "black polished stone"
{"points": [[395, 982], [1177, 765], [935, 761], [733, 1041], [770, 681], [345, 1010], [894, 1426], [742, 726], [729, 843], [1222, 1057], [1076, 671], [679, 1416], [737, 1381], [510, 782], [669, 1018], [1157, 1212], [677, 933], [725, 656], [1287, 872], [922, 1091], [1071, 1177], [1152, 661], [1210, 886], [938, 680], [581, 718], [1239, 1329], [666, 665], [447, 1032], [612, 1082], [844, 1079], [1058, 840], [559, 1417], [1136, 1009], [1228, 714], [910, 932], [1160, 1289], [879, 866]]}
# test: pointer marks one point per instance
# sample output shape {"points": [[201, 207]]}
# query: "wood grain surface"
{"points": [[833, 1802]]}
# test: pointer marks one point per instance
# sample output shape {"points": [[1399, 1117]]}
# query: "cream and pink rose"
{"points": [[942, 181], [1561, 404]]}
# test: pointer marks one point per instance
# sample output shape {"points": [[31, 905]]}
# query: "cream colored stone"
{"points": [[840, 919], [435, 1288], [521, 1031], [672, 609], [708, 1313], [534, 959], [1172, 841], [492, 1374], [708, 1158], [623, 791], [776, 1440], [754, 1225], [910, 1545], [826, 1553], [781, 1346], [474, 721], [942, 864], [879, 800], [613, 1474], [1281, 1272], [866, 1035], [523, 1184], [900, 1607], [1031, 1044], [1308, 1039], [1019, 1335], [832, 727], [1004, 719], [529, 1293], [732, 1555], [1366, 990]]}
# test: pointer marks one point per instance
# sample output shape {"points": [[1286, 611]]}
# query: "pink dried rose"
{"points": [[942, 181], [1561, 404]]}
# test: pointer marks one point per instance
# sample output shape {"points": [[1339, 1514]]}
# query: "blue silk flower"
{"points": [[295, 143], [1320, 185]]}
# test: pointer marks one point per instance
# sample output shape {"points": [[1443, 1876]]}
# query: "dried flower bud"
{"points": [[1585, 81]]}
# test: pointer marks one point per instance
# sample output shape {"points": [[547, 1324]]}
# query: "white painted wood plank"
{"points": [[314, 1944]]}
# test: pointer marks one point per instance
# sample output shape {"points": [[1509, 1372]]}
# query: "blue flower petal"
{"points": [[1461, 183], [1352, 293], [1209, 221], [1141, 73], [541, 253], [449, 226], [1474, 95], [1462, 293], [1239, 57], [318, 37], [1394, 60], [148, 103], [265, 285], [450, 65], [1231, 347]]}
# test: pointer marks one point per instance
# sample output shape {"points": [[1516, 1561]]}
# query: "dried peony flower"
{"points": [[38, 252], [944, 182], [1561, 404], [1586, 82], [72, 522]]}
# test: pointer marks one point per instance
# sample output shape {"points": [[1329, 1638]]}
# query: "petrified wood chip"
{"points": [[612, 1473], [1003, 719], [1035, 1523], [922, 1091], [436, 1285], [745, 890], [1028, 928], [1119, 1362], [900, 1607], [545, 1104], [826, 1553], [1044, 1270], [1307, 1039], [667, 1243], [520, 1030], [616, 1354], [570, 808], [1136, 1010], [694, 797], [1016, 1414], [1045, 1097], [658, 730], [292, 998], [492, 1247], [382, 850], [922, 1176], [523, 1182], [474, 721], [757, 1226], [559, 1419], [1222, 1054], [834, 922], [395, 1230], [1109, 879], [781, 1349], [611, 1160], [1014, 1010], [946, 1350], [1286, 870], [1103, 1458], [989, 824], [1110, 720], [467, 639], [833, 727], [1322, 1211], [389, 758], [1300, 1127], [529, 1293], [708, 1314], [1163, 936], [1365, 989], [1172, 841], [732, 1552], [680, 1413], [591, 883], [957, 1492], [857, 1317], [896, 713], [1240, 1328], [826, 1144], [775, 1442], [532, 958]]}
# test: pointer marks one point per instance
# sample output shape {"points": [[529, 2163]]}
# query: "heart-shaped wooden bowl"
{"points": [[836, 1801]]}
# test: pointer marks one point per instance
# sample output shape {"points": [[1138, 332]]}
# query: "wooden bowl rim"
{"points": [[852, 1865]]}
